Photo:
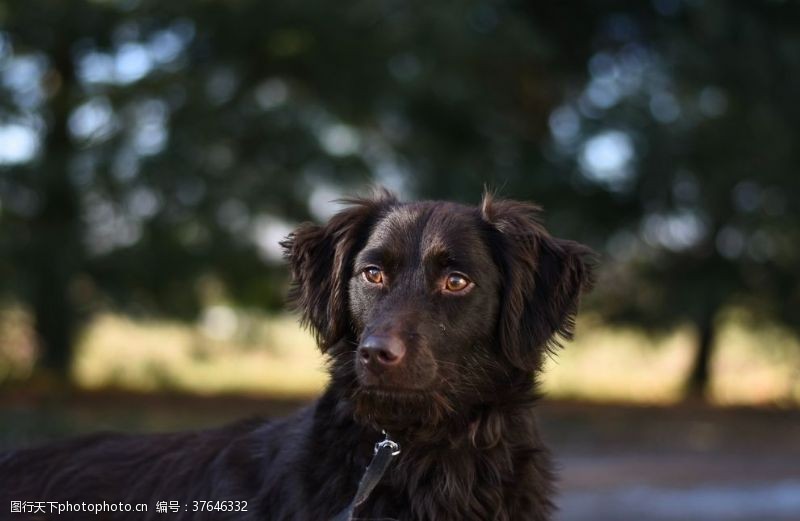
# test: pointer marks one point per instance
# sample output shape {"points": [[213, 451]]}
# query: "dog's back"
{"points": [[117, 471]]}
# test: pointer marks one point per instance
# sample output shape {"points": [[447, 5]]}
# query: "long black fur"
{"points": [[461, 405]]}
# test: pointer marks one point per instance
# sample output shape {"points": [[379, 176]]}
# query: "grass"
{"points": [[272, 356], [752, 365], [230, 351]]}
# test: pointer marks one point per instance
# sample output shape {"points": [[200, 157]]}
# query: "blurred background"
{"points": [[152, 155]]}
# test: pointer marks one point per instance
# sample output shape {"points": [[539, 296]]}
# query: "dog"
{"points": [[434, 318]]}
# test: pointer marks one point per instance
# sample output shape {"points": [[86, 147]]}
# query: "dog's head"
{"points": [[429, 310]]}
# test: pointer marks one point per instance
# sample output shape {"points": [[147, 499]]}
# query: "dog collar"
{"points": [[384, 452]]}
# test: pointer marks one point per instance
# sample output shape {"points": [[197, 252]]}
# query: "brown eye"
{"points": [[456, 282], [373, 275]]}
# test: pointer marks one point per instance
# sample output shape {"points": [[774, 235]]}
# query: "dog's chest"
{"points": [[444, 486]]}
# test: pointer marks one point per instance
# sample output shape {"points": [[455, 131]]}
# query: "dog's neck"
{"points": [[497, 444]]}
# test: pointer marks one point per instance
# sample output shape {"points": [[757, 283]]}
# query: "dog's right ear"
{"points": [[321, 263]]}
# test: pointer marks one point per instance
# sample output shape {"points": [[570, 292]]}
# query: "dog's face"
{"points": [[423, 297], [428, 310]]}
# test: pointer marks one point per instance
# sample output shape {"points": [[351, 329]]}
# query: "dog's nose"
{"points": [[379, 352]]}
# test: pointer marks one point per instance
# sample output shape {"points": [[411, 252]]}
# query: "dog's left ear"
{"points": [[321, 263], [543, 278]]}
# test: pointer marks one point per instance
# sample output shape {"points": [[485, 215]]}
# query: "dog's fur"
{"points": [[460, 402]]}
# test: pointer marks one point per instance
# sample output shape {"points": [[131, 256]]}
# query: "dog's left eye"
{"points": [[373, 275], [456, 282]]}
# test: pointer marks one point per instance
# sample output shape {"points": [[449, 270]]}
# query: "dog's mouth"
{"points": [[401, 409], [393, 391], [384, 400]]}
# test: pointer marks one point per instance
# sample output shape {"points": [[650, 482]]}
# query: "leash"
{"points": [[384, 452]]}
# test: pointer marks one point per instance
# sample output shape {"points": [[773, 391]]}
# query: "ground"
{"points": [[623, 463], [616, 462]]}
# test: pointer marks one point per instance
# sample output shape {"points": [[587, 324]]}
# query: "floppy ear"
{"points": [[320, 260], [542, 280]]}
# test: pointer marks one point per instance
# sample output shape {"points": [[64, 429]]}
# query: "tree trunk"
{"points": [[55, 252], [700, 375], [54, 319]]}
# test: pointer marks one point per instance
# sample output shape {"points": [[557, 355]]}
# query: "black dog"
{"points": [[435, 318]]}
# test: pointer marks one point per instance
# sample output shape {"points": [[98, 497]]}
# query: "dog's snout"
{"points": [[379, 352]]}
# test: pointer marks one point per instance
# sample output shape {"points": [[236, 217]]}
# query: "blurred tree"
{"points": [[688, 122], [151, 150]]}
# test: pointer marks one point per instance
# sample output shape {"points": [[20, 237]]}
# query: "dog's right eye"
{"points": [[373, 275]]}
